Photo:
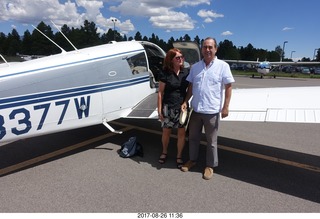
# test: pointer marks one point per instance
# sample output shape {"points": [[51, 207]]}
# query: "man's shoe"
{"points": [[187, 166], [208, 173]]}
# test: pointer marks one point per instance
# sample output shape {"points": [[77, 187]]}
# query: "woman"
{"points": [[172, 91]]}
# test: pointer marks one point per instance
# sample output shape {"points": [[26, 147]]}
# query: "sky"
{"points": [[265, 24]]}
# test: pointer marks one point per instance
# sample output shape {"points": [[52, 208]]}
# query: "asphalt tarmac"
{"points": [[263, 168]]}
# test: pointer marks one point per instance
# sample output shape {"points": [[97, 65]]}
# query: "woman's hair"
{"points": [[167, 63]]}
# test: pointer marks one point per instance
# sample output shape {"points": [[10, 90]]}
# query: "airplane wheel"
{"points": [[274, 76], [261, 76], [252, 75]]}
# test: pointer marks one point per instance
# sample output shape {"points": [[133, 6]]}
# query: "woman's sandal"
{"points": [[179, 162], [162, 158]]}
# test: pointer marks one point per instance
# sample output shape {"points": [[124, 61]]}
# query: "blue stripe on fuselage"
{"points": [[67, 93]]}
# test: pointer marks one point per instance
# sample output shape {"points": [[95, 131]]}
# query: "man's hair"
{"points": [[211, 38]]}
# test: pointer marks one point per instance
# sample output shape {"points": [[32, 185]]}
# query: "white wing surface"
{"points": [[289, 104]]}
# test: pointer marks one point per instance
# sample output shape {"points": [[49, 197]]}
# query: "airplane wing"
{"points": [[146, 109], [289, 104], [294, 63], [272, 63], [241, 61]]}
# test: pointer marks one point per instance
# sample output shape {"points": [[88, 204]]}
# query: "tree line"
{"points": [[36, 44]]}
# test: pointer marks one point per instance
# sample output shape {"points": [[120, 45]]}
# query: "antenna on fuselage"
{"points": [[64, 36], [3, 59], [63, 51]]}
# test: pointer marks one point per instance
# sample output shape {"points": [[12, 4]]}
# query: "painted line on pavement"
{"points": [[130, 127], [239, 151]]}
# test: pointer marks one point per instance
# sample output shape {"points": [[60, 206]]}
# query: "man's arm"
{"points": [[227, 98]]}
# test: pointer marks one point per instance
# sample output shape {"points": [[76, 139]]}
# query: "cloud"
{"points": [[165, 14], [71, 13], [208, 20], [209, 16], [287, 28], [33, 12], [173, 21], [226, 33], [152, 8], [194, 2]]}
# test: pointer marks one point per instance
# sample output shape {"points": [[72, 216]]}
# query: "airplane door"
{"points": [[128, 83], [190, 50]]}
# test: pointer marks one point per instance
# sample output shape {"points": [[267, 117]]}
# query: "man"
{"points": [[208, 78]]}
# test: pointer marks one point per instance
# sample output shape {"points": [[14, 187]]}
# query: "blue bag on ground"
{"points": [[131, 148]]}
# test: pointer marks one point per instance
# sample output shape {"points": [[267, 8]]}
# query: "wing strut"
{"points": [[110, 128]]}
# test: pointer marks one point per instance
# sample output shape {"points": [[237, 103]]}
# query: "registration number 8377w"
{"points": [[21, 118]]}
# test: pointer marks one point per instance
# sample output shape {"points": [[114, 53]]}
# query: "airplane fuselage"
{"points": [[263, 68], [72, 89]]}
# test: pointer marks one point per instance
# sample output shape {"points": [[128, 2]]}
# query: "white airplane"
{"points": [[118, 80], [76, 89], [266, 67]]}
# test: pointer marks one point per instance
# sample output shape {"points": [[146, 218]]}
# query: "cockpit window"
{"points": [[138, 63]]}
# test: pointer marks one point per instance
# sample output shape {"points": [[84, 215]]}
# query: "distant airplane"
{"points": [[99, 84], [266, 67]]}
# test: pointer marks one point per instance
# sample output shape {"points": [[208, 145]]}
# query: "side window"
{"points": [[138, 63]]}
